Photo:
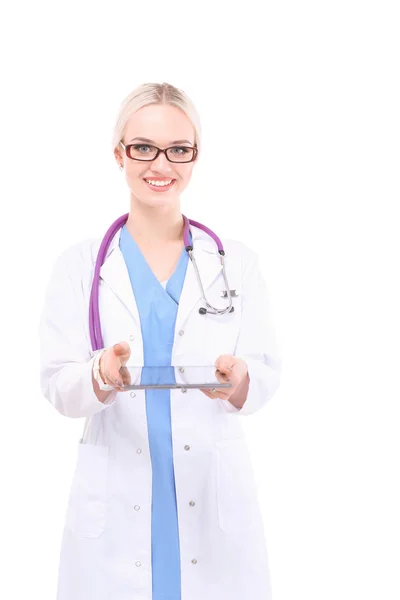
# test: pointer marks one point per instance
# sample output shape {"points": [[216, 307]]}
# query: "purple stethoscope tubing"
{"points": [[96, 337]]}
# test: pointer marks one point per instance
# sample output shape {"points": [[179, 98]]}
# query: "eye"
{"points": [[180, 150], [142, 148]]}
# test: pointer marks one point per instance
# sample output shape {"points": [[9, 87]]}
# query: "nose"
{"points": [[161, 163]]}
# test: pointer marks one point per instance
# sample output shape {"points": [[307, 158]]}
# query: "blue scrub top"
{"points": [[158, 308]]}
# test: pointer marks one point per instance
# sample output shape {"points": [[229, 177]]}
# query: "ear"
{"points": [[118, 155]]}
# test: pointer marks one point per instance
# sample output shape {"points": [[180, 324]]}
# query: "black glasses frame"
{"points": [[128, 147]]}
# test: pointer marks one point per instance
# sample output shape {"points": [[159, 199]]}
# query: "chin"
{"points": [[158, 200]]}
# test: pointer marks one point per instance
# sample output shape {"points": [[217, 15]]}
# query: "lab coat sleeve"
{"points": [[66, 357], [257, 343]]}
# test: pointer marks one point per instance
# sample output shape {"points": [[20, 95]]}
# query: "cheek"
{"points": [[136, 170], [135, 174], [186, 173]]}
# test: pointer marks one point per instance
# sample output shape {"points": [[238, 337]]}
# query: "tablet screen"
{"points": [[140, 378]]}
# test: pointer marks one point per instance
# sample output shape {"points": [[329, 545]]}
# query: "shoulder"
{"points": [[79, 255], [239, 250], [235, 250], [241, 259]]}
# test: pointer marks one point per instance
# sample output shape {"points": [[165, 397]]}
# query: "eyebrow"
{"points": [[153, 142]]}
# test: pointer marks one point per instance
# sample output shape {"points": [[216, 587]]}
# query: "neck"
{"points": [[158, 224]]}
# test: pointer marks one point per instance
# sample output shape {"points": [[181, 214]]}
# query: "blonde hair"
{"points": [[155, 93]]}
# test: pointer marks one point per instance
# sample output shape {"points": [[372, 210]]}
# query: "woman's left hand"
{"points": [[229, 368]]}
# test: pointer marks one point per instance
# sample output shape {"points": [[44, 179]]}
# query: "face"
{"points": [[162, 126]]}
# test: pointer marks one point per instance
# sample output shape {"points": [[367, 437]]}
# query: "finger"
{"points": [[226, 392], [125, 376], [114, 380], [225, 363], [122, 350], [112, 376], [217, 394], [207, 393], [229, 377], [222, 378], [221, 360]]}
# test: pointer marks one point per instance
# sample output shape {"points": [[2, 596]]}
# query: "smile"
{"points": [[160, 185]]}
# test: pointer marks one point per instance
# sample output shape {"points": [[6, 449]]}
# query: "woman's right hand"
{"points": [[112, 363]]}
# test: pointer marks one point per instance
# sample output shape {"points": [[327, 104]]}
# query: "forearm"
{"points": [[71, 390]]}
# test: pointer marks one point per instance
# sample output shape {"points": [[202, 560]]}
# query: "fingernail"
{"points": [[118, 383]]}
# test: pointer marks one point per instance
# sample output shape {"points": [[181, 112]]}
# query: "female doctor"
{"points": [[163, 503]]}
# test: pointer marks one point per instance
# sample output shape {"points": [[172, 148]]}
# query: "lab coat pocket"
{"points": [[86, 511], [238, 508]]}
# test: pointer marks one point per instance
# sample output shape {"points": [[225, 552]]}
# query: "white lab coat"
{"points": [[106, 548]]}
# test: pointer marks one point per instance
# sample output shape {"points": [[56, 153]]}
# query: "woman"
{"points": [[163, 503]]}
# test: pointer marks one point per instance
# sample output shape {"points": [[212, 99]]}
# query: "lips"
{"points": [[159, 188]]}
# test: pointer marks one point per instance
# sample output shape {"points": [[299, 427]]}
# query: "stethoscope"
{"points": [[94, 314]]}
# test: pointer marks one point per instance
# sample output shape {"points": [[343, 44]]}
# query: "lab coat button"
{"points": [[181, 332], [138, 563], [191, 503], [183, 390], [131, 337], [137, 507], [194, 561], [139, 451], [187, 447], [181, 370], [133, 394]]}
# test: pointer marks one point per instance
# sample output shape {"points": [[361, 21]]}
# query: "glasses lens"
{"points": [[180, 154], [143, 152]]}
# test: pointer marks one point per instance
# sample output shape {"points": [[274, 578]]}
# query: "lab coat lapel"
{"points": [[115, 274], [209, 265]]}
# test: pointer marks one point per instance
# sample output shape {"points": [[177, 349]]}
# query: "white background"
{"points": [[307, 93]]}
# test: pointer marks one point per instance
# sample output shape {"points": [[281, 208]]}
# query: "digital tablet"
{"points": [[142, 378]]}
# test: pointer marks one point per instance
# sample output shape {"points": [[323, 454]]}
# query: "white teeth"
{"points": [[158, 183]]}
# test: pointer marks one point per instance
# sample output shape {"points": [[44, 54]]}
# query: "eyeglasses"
{"points": [[175, 154]]}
